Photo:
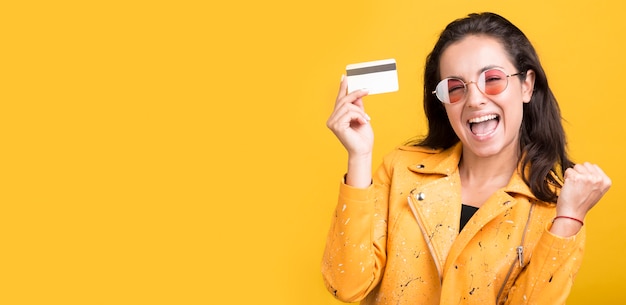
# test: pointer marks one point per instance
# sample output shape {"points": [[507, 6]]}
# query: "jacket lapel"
{"points": [[497, 204], [436, 202]]}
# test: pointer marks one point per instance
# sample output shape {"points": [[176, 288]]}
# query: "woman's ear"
{"points": [[528, 85]]}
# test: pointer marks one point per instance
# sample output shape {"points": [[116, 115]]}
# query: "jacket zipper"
{"points": [[520, 255], [427, 238]]}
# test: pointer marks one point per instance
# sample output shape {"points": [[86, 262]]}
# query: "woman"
{"points": [[487, 208]]}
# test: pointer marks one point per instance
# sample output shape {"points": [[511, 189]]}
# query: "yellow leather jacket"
{"points": [[398, 241]]}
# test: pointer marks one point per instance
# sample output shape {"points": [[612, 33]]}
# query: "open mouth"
{"points": [[484, 125]]}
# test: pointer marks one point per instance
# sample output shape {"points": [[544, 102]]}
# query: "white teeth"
{"points": [[483, 118]]}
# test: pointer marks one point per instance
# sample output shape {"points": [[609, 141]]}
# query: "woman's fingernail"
{"points": [[342, 77], [367, 117]]}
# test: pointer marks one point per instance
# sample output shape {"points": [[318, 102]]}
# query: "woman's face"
{"points": [[487, 125]]}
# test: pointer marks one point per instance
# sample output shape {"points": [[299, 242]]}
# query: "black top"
{"points": [[467, 211]]}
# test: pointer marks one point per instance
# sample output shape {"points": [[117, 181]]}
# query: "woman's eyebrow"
{"points": [[489, 67], [481, 70]]}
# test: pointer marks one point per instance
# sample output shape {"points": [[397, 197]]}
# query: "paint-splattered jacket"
{"points": [[384, 248]]}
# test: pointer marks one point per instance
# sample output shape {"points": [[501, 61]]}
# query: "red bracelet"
{"points": [[568, 217]]}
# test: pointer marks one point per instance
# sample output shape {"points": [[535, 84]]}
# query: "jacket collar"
{"points": [[446, 162]]}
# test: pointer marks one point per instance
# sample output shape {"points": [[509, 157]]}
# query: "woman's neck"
{"points": [[480, 176]]}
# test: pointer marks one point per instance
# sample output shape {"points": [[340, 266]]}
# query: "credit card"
{"points": [[379, 76]]}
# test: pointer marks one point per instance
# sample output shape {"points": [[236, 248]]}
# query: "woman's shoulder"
{"points": [[407, 154], [419, 149], [414, 151]]}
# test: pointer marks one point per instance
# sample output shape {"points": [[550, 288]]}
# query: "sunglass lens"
{"points": [[450, 90], [493, 81]]}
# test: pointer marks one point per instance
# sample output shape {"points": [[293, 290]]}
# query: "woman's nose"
{"points": [[474, 96]]}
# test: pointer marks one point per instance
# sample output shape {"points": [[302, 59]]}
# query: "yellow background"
{"points": [[175, 152]]}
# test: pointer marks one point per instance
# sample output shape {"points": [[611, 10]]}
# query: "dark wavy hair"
{"points": [[542, 143]]}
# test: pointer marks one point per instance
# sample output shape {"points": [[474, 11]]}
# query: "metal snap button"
{"points": [[421, 196]]}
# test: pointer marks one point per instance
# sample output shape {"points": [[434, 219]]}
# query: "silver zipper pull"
{"points": [[520, 256]]}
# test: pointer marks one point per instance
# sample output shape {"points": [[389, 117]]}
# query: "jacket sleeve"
{"points": [[549, 276], [355, 253]]}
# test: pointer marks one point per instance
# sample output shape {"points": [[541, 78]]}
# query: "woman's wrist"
{"points": [[359, 171], [570, 218], [566, 226]]}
